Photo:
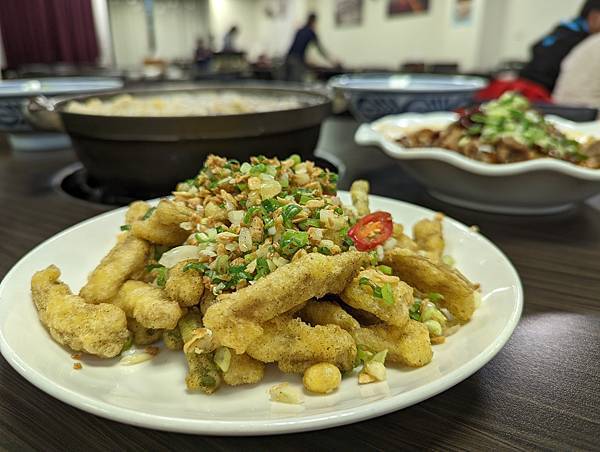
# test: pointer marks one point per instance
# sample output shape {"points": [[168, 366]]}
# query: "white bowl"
{"points": [[535, 187]]}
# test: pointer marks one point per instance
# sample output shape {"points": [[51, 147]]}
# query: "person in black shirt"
{"points": [[295, 62]]}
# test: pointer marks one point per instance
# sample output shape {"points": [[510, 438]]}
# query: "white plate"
{"points": [[541, 186], [153, 394]]}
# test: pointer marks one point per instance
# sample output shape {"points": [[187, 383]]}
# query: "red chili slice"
{"points": [[372, 230]]}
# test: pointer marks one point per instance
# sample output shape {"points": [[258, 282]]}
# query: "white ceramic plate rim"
{"points": [[455, 84], [269, 426], [367, 135]]}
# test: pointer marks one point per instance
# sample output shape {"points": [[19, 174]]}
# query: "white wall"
{"points": [[223, 14], [103, 33], [129, 32]]}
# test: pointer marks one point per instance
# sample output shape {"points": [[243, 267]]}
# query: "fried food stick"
{"points": [[172, 213], [360, 294], [127, 257], [148, 305], [150, 228], [185, 287], [243, 370], [328, 313], [408, 346], [429, 277], [430, 238], [360, 197], [296, 346], [236, 319], [99, 330]]}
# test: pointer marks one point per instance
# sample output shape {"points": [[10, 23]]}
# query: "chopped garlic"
{"points": [[375, 369], [136, 358], [285, 393]]}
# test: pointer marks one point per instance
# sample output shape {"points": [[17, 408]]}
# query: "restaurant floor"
{"points": [[541, 391]]}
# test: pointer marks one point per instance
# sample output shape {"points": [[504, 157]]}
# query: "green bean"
{"points": [[172, 339], [203, 374]]}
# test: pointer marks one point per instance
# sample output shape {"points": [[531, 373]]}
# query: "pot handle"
{"points": [[41, 114]]}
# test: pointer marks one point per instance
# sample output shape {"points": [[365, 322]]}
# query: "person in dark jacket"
{"points": [[295, 62], [538, 78], [549, 53]]}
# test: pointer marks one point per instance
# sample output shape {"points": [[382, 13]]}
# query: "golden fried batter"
{"points": [[360, 197], [403, 241], [236, 318], [327, 313], [184, 287], [152, 230], [143, 335], [136, 211], [127, 257], [296, 346], [408, 346], [430, 238], [99, 330], [429, 277], [148, 305], [243, 370], [362, 296], [172, 213]]}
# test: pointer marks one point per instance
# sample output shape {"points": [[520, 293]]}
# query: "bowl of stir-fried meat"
{"points": [[503, 156]]}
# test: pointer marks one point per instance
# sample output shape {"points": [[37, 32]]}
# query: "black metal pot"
{"points": [[149, 155]]}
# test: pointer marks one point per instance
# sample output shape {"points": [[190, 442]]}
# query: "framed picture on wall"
{"points": [[398, 7], [463, 12], [348, 12]]}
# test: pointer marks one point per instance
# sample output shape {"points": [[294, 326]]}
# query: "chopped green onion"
{"points": [[258, 169], [380, 356], [262, 268], [250, 213], [270, 205], [304, 199], [324, 250], [199, 267], [339, 210], [125, 227], [385, 269], [291, 241], [435, 297], [148, 213], [288, 214], [415, 310], [295, 158], [387, 294], [161, 273], [309, 223], [245, 168], [222, 264]]}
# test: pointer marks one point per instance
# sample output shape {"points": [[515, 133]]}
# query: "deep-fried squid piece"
{"points": [[126, 258], [185, 287], [429, 238], [428, 277], [360, 197], [243, 370], [136, 211], [148, 305], [296, 346], [142, 335], [173, 213], [236, 319], [402, 240], [99, 330], [366, 292], [409, 346], [328, 313], [151, 229]]}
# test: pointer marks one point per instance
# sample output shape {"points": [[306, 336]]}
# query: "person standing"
{"points": [[295, 62], [229, 39]]}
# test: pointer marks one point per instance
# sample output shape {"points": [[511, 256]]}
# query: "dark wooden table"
{"points": [[542, 391]]}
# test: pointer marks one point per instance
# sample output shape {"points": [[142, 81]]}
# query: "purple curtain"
{"points": [[48, 31]]}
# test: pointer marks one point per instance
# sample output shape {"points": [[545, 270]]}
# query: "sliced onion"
{"points": [[180, 253], [136, 358], [236, 217]]}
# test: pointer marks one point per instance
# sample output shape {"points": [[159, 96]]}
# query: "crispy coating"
{"points": [[296, 346], [427, 276], [173, 213], [429, 238], [99, 330], [152, 230], [408, 346], [148, 305], [362, 297], [136, 211], [328, 313], [403, 241], [237, 317], [360, 197], [207, 300], [203, 374], [243, 370], [173, 339], [184, 287], [141, 334], [127, 257]]}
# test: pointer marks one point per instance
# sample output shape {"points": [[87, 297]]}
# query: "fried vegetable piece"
{"points": [[296, 346], [360, 197], [185, 287], [237, 317], [429, 237], [136, 211], [127, 257], [408, 346], [172, 339], [384, 296], [142, 335], [173, 213], [328, 313], [151, 229], [402, 240], [99, 330], [428, 277], [243, 370], [148, 305], [203, 374]]}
